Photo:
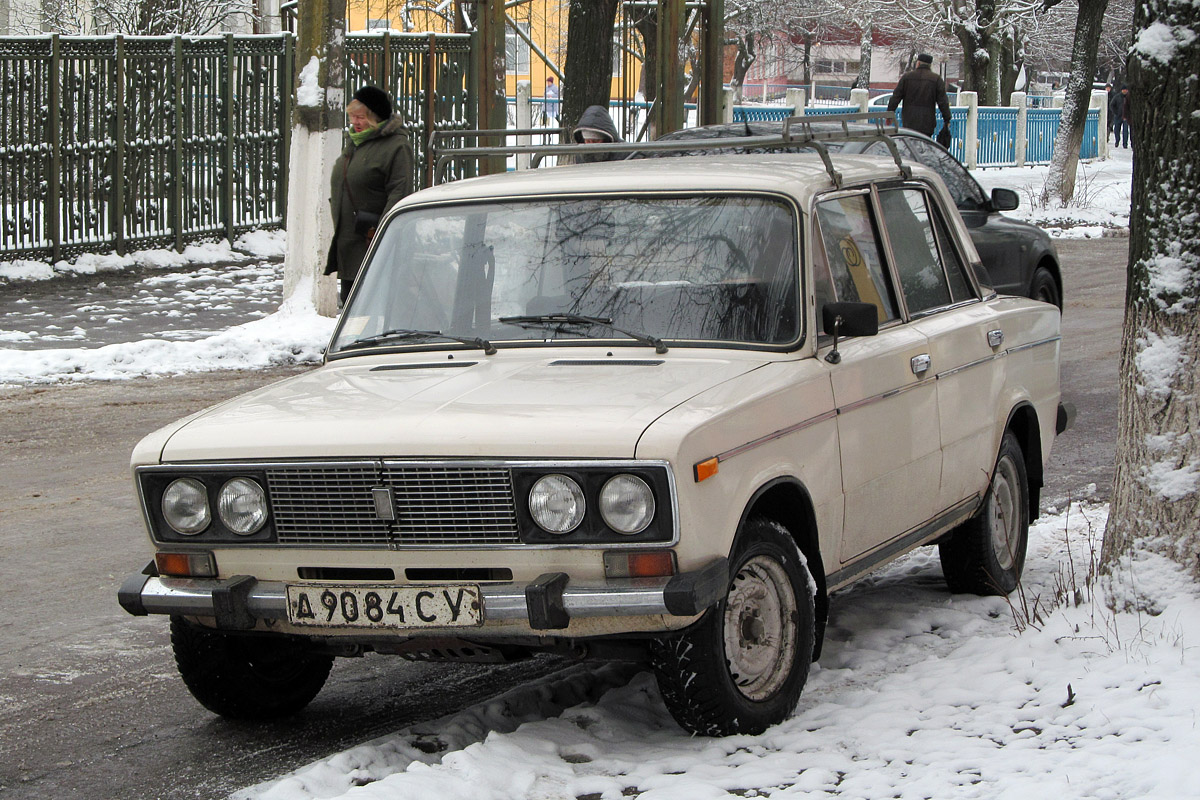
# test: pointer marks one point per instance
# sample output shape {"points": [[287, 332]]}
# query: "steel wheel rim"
{"points": [[760, 630], [1004, 519]]}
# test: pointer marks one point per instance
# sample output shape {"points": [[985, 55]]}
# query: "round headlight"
{"points": [[242, 506], [185, 506], [627, 504], [557, 503]]}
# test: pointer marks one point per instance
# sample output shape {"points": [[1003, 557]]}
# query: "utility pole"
{"points": [[316, 143]]}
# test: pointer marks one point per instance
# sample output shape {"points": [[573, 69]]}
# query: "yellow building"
{"points": [[536, 38]]}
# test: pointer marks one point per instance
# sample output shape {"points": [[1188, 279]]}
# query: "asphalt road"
{"points": [[90, 704]]}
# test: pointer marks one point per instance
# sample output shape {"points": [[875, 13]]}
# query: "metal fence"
{"points": [[115, 143], [125, 143]]}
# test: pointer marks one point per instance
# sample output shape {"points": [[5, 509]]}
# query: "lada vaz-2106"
{"points": [[652, 409]]}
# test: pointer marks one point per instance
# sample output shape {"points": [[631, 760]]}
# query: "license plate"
{"points": [[385, 606]]}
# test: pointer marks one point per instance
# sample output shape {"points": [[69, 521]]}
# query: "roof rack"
{"points": [[809, 132]]}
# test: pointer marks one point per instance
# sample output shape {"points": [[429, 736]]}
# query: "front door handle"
{"points": [[921, 364]]}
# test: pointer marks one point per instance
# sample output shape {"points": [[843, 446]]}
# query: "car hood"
{"points": [[510, 405]]}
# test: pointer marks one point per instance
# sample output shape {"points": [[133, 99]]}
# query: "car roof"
{"points": [[798, 174]]}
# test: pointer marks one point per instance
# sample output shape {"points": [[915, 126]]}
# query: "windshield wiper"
{"points": [[408, 333], [557, 320]]}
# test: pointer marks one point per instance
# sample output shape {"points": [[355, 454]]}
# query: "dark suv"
{"points": [[1020, 258]]}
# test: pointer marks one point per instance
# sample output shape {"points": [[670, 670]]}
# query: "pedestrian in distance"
{"points": [[372, 174], [923, 93], [1122, 133], [552, 95], [1115, 103], [596, 127]]}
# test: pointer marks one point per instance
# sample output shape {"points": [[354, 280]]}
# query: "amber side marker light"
{"points": [[706, 469], [652, 564], [186, 565]]}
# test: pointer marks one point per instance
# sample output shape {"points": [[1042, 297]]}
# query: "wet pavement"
{"points": [[179, 304]]}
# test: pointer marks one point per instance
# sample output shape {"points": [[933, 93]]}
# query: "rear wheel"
{"points": [[247, 677], [986, 554], [741, 668], [1042, 286]]}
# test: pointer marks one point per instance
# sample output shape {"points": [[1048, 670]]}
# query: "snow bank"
{"points": [[294, 334], [919, 694]]}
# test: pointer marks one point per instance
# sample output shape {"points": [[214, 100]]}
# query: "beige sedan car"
{"points": [[654, 410]]}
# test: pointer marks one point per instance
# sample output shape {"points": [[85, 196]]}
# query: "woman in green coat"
{"points": [[372, 174]]}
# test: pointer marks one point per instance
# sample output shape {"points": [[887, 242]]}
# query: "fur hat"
{"points": [[377, 102], [925, 58]]}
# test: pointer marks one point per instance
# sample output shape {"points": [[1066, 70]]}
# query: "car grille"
{"points": [[433, 504]]}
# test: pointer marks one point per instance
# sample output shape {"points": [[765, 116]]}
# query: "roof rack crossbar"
{"points": [[882, 122]]}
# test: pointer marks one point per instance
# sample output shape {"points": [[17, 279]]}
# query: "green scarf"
{"points": [[359, 138]]}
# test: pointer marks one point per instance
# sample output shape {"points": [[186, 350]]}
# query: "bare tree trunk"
{"points": [[867, 31], [587, 77], [646, 24], [974, 59], [1060, 181], [1156, 495]]}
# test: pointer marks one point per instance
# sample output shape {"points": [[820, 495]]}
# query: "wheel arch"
{"points": [[787, 501], [1023, 423]]}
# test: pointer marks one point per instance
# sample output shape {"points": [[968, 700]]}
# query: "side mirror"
{"points": [[848, 319], [1005, 199]]}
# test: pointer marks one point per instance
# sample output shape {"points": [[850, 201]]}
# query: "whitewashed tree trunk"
{"points": [[316, 143], [1156, 495], [1060, 180], [864, 54]]}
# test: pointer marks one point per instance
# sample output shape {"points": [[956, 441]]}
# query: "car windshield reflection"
{"points": [[685, 269]]}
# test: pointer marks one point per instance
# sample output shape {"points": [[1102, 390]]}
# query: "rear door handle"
{"points": [[921, 364]]}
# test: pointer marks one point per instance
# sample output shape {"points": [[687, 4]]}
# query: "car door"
{"points": [[887, 404], [1000, 251], [964, 337]]}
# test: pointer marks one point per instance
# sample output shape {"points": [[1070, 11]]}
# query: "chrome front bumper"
{"points": [[548, 603]]}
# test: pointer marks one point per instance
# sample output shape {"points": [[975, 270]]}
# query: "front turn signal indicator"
{"points": [[646, 564], [186, 565]]}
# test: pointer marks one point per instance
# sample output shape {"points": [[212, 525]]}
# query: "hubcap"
{"points": [[1004, 520], [760, 631]]}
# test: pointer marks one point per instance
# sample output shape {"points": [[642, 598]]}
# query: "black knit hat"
{"points": [[377, 102], [924, 58]]}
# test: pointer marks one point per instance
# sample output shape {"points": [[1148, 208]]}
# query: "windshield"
{"points": [[642, 270]]}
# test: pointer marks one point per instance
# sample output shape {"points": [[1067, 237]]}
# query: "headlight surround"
{"points": [[557, 504], [627, 504], [242, 506], [185, 506]]}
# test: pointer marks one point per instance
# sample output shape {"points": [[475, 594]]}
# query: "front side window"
{"points": [[675, 268], [854, 254], [963, 188]]}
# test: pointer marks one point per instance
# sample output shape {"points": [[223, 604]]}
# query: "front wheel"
{"points": [[986, 554], [741, 668], [247, 677], [1042, 286]]}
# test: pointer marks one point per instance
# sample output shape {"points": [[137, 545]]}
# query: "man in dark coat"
{"points": [[921, 90], [1123, 118], [596, 127], [373, 173]]}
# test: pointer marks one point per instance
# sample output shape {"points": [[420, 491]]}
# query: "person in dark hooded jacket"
{"points": [[373, 173], [596, 127]]}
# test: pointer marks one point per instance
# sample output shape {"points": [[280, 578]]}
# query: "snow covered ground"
{"points": [[919, 694], [30, 339]]}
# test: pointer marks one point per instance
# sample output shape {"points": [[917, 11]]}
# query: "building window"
{"points": [[516, 49], [828, 66], [379, 24]]}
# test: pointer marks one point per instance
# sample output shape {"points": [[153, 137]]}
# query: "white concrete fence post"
{"points": [[860, 98], [971, 135], [1021, 101], [1100, 101], [727, 106], [797, 99], [524, 119]]}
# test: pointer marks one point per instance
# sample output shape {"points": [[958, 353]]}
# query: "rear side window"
{"points": [[854, 255], [909, 224]]}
